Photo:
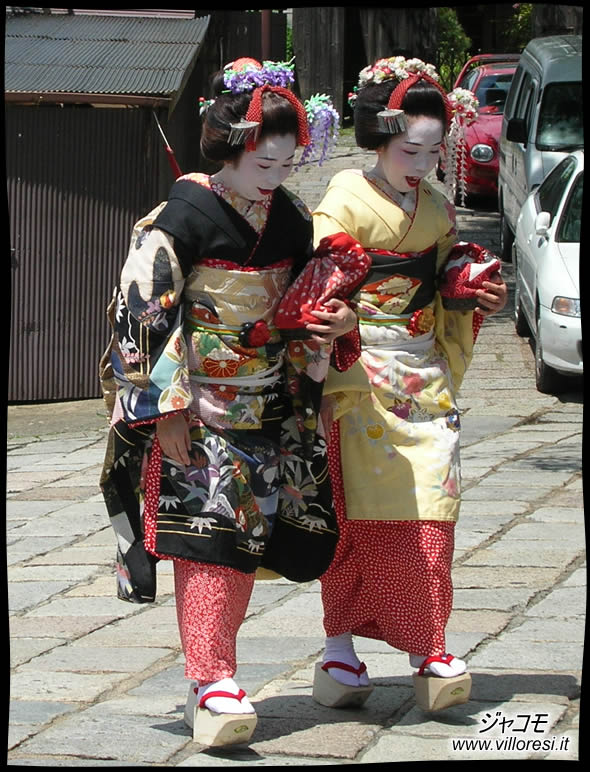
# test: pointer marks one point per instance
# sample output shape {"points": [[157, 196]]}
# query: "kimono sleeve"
{"points": [[347, 348], [454, 330], [326, 224], [147, 352]]}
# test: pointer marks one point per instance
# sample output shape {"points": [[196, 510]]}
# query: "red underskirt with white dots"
{"points": [[389, 580], [211, 600], [211, 603]]}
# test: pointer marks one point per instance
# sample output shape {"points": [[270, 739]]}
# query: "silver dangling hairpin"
{"points": [[243, 131], [391, 122]]}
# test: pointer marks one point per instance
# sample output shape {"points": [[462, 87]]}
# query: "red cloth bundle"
{"points": [[467, 267], [338, 267]]}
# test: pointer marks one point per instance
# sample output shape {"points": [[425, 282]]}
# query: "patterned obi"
{"points": [[222, 305], [236, 358], [399, 293]]}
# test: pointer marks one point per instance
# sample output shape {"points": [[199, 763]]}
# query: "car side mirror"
{"points": [[516, 130], [542, 223]]}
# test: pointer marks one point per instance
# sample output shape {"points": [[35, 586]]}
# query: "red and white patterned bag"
{"points": [[338, 267], [467, 267]]}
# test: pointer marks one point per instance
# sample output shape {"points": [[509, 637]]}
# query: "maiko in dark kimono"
{"points": [[217, 455]]}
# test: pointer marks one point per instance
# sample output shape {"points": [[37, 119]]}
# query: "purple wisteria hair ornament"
{"points": [[246, 74], [324, 125]]}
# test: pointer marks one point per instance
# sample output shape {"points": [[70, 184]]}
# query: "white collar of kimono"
{"points": [[406, 201]]}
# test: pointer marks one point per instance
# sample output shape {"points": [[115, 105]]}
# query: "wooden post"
{"points": [[265, 22]]}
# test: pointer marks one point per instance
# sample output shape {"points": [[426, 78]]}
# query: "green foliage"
{"points": [[289, 52], [519, 32], [453, 46]]}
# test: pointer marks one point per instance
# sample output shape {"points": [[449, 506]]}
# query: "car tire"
{"points": [[521, 325], [548, 380], [506, 238]]}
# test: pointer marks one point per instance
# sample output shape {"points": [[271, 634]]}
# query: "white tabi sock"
{"points": [[339, 648], [225, 704], [454, 668]]}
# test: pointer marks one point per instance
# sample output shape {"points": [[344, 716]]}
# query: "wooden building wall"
{"points": [[332, 44], [318, 35], [409, 32], [77, 178]]}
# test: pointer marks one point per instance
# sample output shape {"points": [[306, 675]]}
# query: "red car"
{"points": [[489, 77]]}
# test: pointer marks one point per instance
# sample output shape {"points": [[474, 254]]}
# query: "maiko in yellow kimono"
{"points": [[394, 446]]}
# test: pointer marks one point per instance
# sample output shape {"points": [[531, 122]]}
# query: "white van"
{"points": [[542, 123]]}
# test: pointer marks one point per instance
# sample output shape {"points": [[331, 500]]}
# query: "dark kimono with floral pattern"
{"points": [[192, 322]]}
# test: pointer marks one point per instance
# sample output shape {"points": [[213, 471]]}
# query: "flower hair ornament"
{"points": [[204, 105], [318, 122], [460, 107], [464, 105], [324, 124]]}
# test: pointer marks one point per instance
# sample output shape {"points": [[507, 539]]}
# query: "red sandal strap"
{"points": [[239, 696], [446, 659], [343, 666]]}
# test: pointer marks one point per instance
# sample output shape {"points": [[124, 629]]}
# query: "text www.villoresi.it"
{"points": [[503, 744]]}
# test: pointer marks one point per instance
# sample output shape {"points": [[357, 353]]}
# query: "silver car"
{"points": [[546, 256]]}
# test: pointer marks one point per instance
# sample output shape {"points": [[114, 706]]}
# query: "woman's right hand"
{"points": [[174, 438]]}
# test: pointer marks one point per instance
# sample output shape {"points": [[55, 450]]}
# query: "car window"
{"points": [[514, 91], [560, 125], [469, 79], [528, 105], [492, 91], [571, 219], [550, 191], [524, 99]]}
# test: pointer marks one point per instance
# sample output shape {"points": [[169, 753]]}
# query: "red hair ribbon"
{"points": [[399, 92], [255, 113]]}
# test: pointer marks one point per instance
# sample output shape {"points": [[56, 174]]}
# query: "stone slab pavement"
{"points": [[95, 681]]}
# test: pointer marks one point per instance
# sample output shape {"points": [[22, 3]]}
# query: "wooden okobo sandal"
{"points": [[217, 729], [331, 693], [436, 692]]}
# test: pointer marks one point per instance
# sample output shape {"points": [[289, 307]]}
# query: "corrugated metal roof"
{"points": [[99, 54]]}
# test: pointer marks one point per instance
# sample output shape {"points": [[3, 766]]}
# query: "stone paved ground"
{"points": [[98, 682]]}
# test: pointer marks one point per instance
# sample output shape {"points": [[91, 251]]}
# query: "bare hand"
{"points": [[493, 298], [337, 322], [174, 437]]}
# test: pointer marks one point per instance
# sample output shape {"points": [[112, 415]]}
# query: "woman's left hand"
{"points": [[493, 298], [340, 320]]}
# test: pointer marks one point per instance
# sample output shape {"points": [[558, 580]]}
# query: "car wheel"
{"points": [[506, 238], [548, 380], [520, 323]]}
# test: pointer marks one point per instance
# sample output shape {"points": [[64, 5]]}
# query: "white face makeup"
{"points": [[409, 157], [258, 172]]}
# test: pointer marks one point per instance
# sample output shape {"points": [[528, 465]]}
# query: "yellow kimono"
{"points": [[397, 416]]}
